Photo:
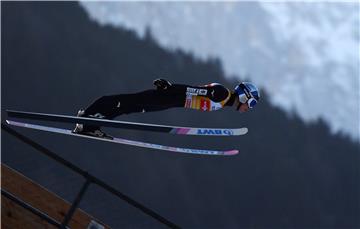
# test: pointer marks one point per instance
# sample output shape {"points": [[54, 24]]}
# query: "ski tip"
{"points": [[231, 152], [245, 130]]}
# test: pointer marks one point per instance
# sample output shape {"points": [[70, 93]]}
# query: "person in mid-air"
{"points": [[209, 97]]}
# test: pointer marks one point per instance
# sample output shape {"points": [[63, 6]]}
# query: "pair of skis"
{"points": [[127, 125]]}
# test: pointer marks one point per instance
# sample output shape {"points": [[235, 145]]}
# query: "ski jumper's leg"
{"points": [[109, 107]]}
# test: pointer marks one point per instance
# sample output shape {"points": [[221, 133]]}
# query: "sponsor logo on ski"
{"points": [[214, 132]]}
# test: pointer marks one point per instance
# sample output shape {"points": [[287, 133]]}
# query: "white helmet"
{"points": [[248, 93]]}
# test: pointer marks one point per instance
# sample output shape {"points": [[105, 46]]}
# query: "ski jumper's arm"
{"points": [[209, 97]]}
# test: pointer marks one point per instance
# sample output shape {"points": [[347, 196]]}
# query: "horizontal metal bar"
{"points": [[30, 208]]}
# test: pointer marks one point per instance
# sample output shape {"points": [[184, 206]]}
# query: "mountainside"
{"points": [[56, 59], [306, 55]]}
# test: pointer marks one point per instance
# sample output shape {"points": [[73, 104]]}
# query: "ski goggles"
{"points": [[250, 102]]}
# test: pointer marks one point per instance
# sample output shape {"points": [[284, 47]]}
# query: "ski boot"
{"points": [[93, 131]]}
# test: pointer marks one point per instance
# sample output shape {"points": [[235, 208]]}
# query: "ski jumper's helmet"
{"points": [[248, 93]]}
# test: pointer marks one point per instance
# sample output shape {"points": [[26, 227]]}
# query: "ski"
{"points": [[129, 125], [124, 141]]}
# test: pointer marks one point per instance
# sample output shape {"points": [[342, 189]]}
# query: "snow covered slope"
{"points": [[306, 55]]}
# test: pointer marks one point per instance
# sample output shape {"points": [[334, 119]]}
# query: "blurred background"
{"points": [[298, 166], [306, 55]]}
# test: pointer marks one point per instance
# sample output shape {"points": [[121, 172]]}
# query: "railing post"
{"points": [[75, 204]]}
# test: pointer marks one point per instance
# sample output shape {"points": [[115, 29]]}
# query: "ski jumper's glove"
{"points": [[162, 84]]}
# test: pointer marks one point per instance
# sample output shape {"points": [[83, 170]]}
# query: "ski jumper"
{"points": [[209, 97]]}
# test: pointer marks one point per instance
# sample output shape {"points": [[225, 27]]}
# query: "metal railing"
{"points": [[89, 179]]}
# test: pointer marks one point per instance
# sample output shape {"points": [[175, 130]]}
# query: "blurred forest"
{"points": [[289, 174]]}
